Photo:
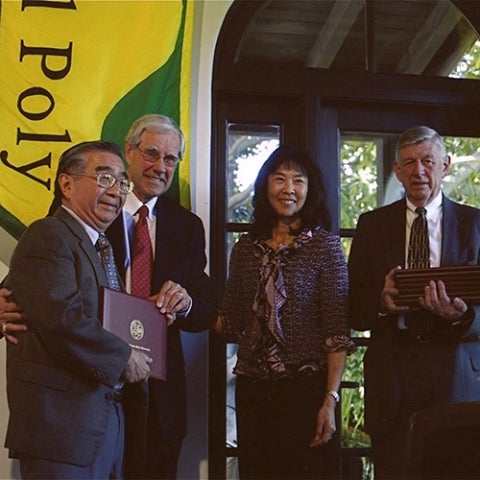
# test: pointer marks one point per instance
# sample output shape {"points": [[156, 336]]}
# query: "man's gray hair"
{"points": [[419, 134], [73, 161], [154, 123]]}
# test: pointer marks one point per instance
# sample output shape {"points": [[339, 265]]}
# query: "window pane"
{"points": [[469, 64], [462, 184], [248, 148], [346, 244], [353, 429], [231, 471], [231, 354], [360, 158]]}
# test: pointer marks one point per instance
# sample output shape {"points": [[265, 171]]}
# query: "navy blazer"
{"points": [[180, 257], [61, 373], [379, 246]]}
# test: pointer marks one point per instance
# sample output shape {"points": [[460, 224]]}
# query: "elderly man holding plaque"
{"points": [[423, 352]]}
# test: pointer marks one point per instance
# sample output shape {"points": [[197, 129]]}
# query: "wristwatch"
{"points": [[334, 394]]}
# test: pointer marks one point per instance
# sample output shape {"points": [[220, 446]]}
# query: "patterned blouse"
{"points": [[287, 308]]}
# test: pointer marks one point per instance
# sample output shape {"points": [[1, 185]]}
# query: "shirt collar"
{"points": [[132, 204], [433, 208], [91, 232]]}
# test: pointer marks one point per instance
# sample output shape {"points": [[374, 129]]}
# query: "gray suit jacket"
{"points": [[379, 246], [61, 372]]}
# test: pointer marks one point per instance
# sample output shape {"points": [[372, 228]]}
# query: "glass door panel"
{"points": [[248, 148]]}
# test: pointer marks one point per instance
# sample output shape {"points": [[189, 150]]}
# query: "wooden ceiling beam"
{"points": [[335, 30], [429, 39]]}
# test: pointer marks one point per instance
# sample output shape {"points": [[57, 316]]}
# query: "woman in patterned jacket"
{"points": [[285, 305]]}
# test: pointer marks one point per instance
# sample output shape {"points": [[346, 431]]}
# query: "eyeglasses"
{"points": [[107, 180], [151, 154]]}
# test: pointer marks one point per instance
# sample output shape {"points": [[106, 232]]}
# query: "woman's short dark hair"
{"points": [[314, 212]]}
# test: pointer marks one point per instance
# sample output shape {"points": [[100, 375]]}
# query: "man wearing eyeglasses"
{"points": [[176, 281], [65, 372]]}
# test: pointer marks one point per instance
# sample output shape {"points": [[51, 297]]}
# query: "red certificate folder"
{"points": [[138, 322]]}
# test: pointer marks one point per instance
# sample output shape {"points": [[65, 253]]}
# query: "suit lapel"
{"points": [[116, 235], [455, 235], [161, 244], [392, 230], [449, 233], [85, 243]]}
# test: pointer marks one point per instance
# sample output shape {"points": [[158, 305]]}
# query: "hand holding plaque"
{"points": [[460, 281]]}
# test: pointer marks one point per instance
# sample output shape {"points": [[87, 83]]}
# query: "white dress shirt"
{"points": [[434, 219]]}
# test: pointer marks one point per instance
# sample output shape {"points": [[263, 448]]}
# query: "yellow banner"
{"points": [[75, 70]]}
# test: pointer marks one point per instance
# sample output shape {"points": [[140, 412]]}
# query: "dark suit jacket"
{"points": [[180, 257], [61, 372], [379, 246]]}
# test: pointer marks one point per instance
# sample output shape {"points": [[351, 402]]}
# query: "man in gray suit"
{"points": [[64, 376], [415, 359]]}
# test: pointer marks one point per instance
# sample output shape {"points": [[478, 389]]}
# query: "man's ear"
{"points": [[446, 165], [396, 170], [65, 182], [128, 151]]}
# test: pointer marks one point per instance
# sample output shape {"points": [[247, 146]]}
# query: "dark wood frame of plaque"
{"points": [[460, 281]]}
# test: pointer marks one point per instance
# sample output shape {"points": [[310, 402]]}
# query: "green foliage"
{"points": [[463, 181], [469, 65], [353, 434], [358, 180]]}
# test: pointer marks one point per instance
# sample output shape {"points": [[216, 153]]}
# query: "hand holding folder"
{"points": [[138, 322]]}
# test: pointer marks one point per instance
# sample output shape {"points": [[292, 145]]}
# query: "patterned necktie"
{"points": [[142, 256], [108, 262], [419, 248], [419, 322]]}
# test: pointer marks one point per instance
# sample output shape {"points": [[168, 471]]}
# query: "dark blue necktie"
{"points": [[104, 247]]}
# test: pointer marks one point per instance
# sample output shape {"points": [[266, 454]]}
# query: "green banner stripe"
{"points": [[158, 93], [11, 224]]}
